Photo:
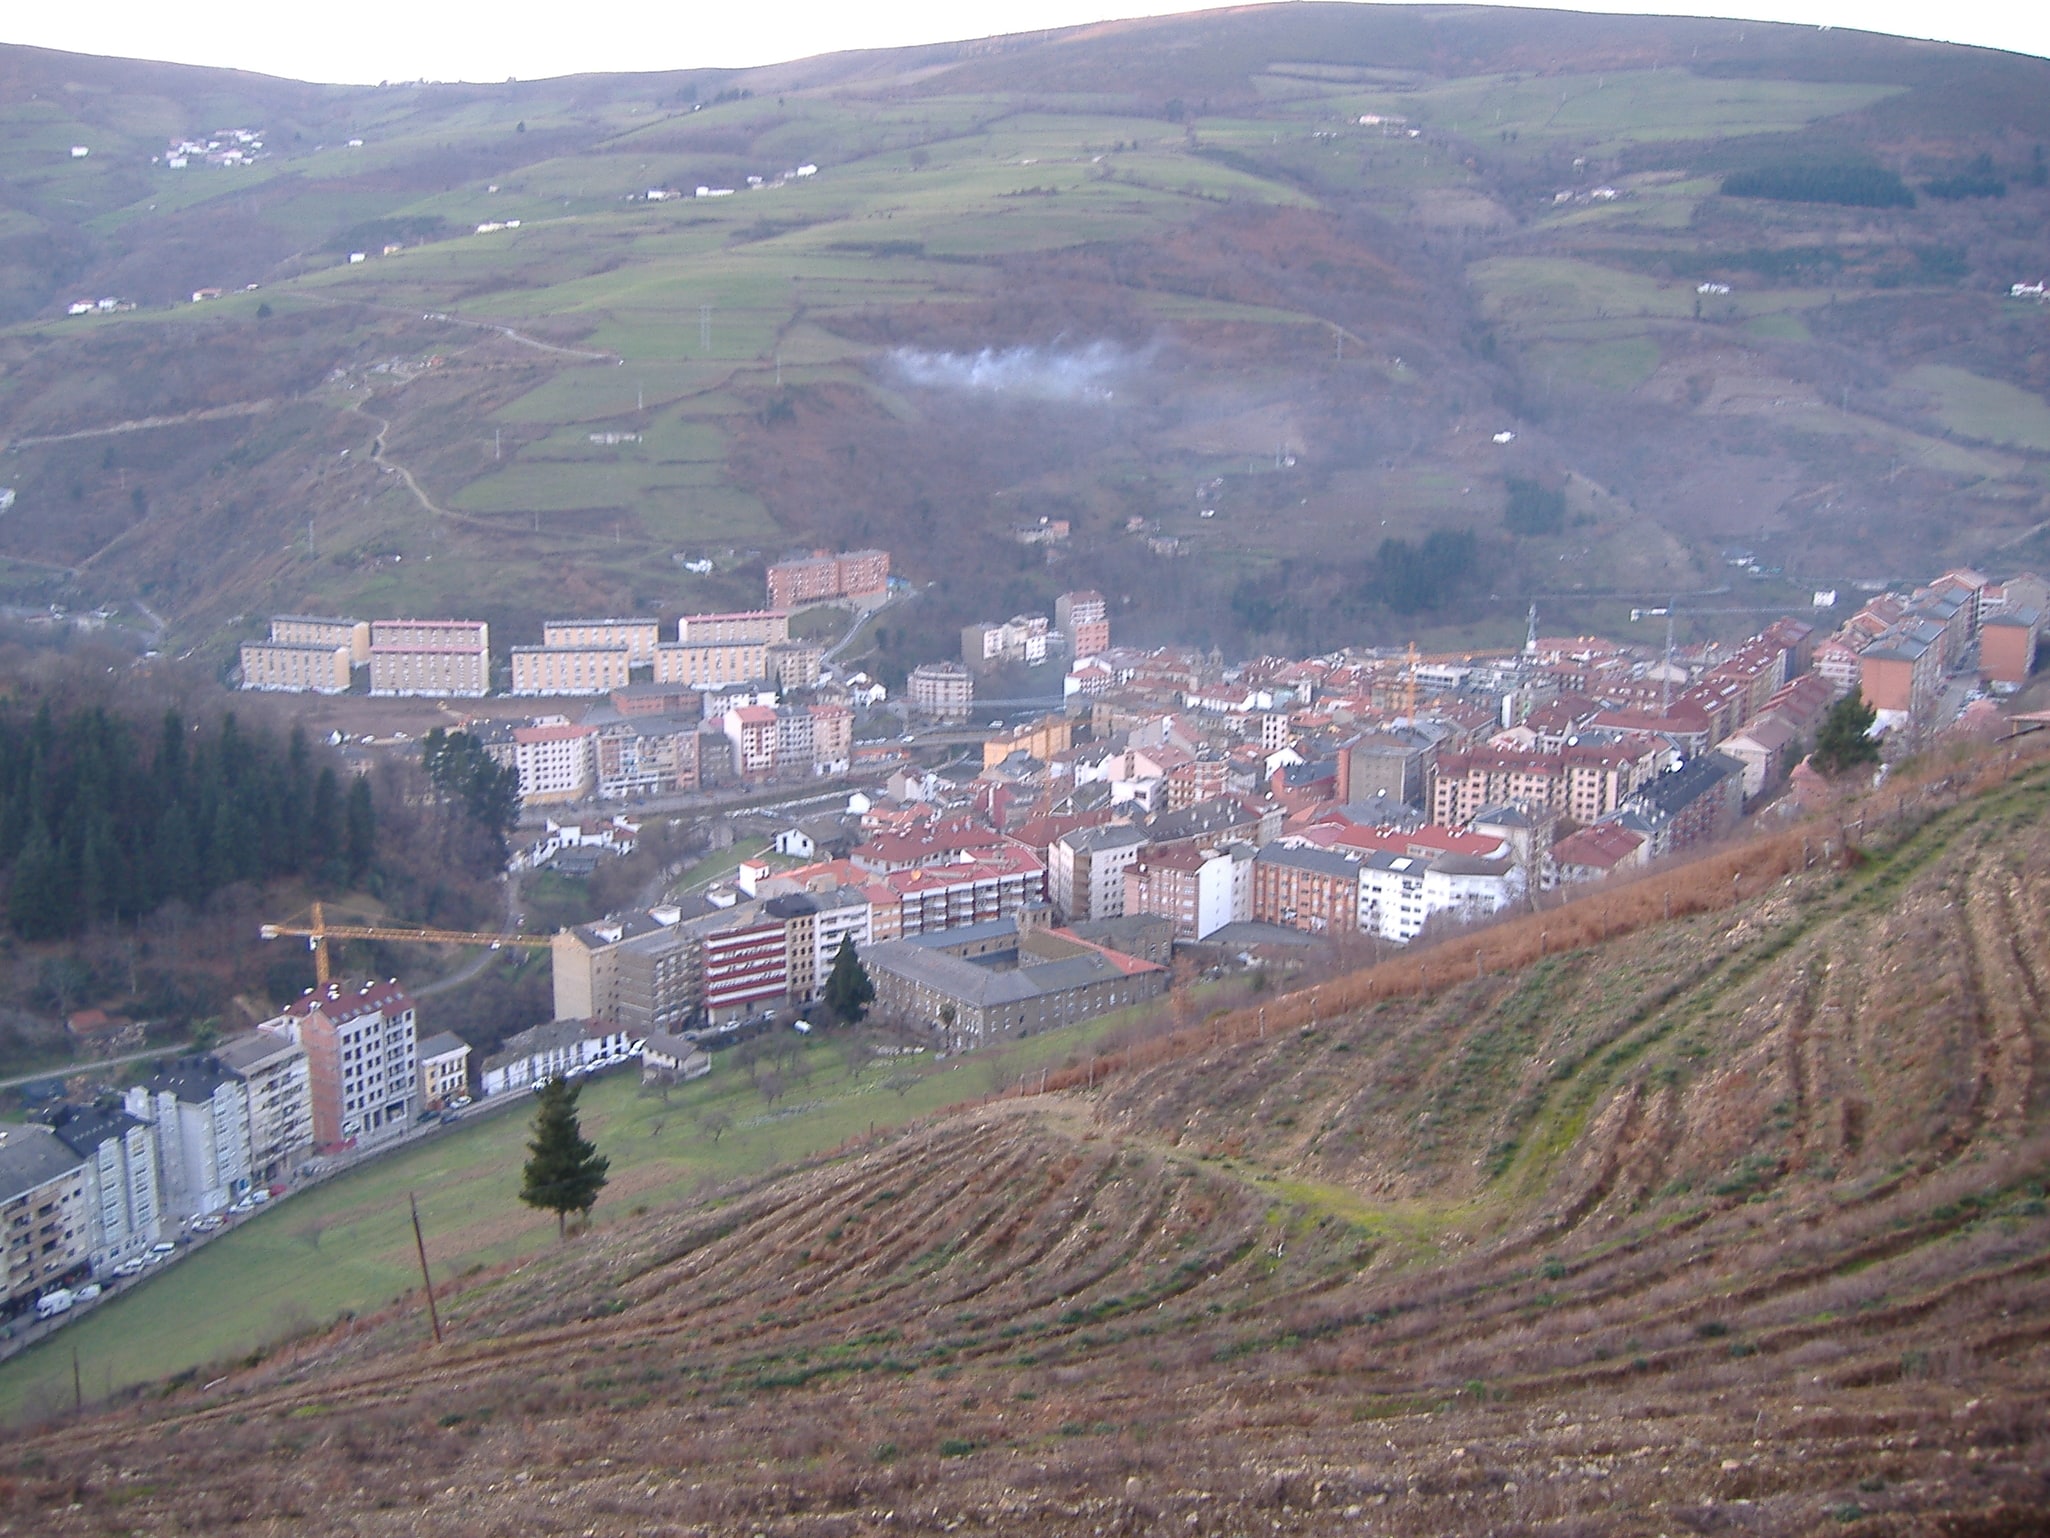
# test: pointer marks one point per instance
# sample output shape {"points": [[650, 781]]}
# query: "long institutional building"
{"points": [[306, 655], [439, 657]]}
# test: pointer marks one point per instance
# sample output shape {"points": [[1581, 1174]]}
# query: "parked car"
{"points": [[88, 1292], [208, 1223], [130, 1267], [258, 1197], [460, 1103]]}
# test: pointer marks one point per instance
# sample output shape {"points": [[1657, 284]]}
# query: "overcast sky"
{"points": [[363, 41]]}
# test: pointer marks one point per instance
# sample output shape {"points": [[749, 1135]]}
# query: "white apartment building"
{"points": [[278, 1083], [556, 762], [201, 1114], [120, 1154]]}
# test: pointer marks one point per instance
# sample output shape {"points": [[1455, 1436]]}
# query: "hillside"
{"points": [[1295, 267], [1735, 1224]]}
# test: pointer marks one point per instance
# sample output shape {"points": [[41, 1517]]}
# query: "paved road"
{"points": [[67, 1070]]}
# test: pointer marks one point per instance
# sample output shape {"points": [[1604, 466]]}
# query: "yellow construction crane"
{"points": [[319, 932]]}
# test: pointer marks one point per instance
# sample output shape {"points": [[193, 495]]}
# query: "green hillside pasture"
{"points": [[1563, 297], [672, 439], [1616, 363], [597, 393], [348, 1244], [1605, 112], [1973, 406], [559, 486]]}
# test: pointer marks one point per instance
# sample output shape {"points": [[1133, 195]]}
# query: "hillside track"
{"points": [[1735, 1223]]}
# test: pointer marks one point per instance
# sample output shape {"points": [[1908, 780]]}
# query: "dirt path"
{"points": [[144, 424]]}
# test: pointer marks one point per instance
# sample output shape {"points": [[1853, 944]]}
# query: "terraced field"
{"points": [[1734, 1224]]}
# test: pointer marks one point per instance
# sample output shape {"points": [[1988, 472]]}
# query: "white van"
{"points": [[51, 1304]]}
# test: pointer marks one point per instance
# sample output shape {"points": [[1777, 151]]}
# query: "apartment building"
{"points": [[1315, 890], [556, 761], [1084, 618], [637, 637], [791, 665], [942, 690], [296, 667], [201, 1115], [45, 1213], [1086, 870], [119, 1151], [860, 575], [571, 669], [277, 1085], [434, 657], [714, 665], [316, 630], [652, 755], [753, 732], [1003, 980], [361, 1059], [1197, 889], [764, 627]]}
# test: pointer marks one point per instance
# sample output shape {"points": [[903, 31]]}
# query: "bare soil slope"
{"points": [[1735, 1225]]}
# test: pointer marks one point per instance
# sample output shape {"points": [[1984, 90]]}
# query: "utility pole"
{"points": [[426, 1281], [497, 449], [704, 328]]}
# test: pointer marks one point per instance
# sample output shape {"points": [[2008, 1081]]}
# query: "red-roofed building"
{"points": [[360, 1049], [1593, 853]]}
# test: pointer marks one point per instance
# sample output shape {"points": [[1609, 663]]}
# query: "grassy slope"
{"points": [[1030, 192], [347, 1245], [1741, 1217]]}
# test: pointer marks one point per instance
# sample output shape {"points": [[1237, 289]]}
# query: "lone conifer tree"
{"points": [[566, 1172], [1841, 745], [848, 991]]}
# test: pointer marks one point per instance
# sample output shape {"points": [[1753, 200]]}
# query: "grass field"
{"points": [[1976, 407], [348, 1245]]}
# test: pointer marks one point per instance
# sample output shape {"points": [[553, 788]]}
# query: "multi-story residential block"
{"points": [[832, 737], [1900, 675], [640, 971], [652, 755], [298, 667], [361, 1058], [120, 1154], [46, 1217], [714, 665], [2008, 643], [556, 761], [753, 732], [1391, 895], [816, 924], [794, 665], [1316, 890], [1084, 618], [942, 690], [636, 636], [1197, 889], [201, 1115], [1695, 803], [1040, 739], [315, 630], [444, 1069], [571, 669], [430, 657], [763, 627], [860, 575], [278, 1086], [1086, 870], [794, 738], [746, 962]]}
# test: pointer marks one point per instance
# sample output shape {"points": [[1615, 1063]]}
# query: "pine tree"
{"points": [[566, 1172], [1841, 745], [362, 824], [848, 991]]}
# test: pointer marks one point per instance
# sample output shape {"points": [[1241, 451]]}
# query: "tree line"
{"points": [[101, 820], [1852, 185]]}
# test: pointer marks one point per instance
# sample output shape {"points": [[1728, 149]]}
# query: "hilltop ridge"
{"points": [[1735, 1222]]}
